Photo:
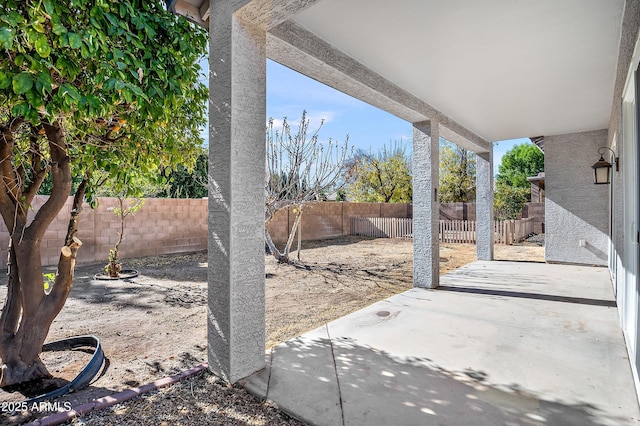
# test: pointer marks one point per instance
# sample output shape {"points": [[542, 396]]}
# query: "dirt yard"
{"points": [[154, 325]]}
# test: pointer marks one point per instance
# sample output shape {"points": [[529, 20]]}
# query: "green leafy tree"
{"points": [[457, 174], [512, 188], [89, 91], [519, 163], [508, 201], [384, 177], [187, 182]]}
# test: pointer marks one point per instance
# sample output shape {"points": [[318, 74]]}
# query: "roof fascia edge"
{"points": [[188, 11], [265, 14], [268, 14], [297, 48]]}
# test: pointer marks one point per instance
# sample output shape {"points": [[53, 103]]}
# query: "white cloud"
{"points": [[277, 123], [315, 119], [318, 117]]}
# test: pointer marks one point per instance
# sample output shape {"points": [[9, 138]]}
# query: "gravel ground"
{"points": [[203, 399], [535, 239]]}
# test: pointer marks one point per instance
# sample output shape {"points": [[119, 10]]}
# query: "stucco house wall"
{"points": [[622, 269], [628, 39], [576, 210]]}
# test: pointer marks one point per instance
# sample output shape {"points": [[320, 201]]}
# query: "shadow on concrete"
{"points": [[373, 387], [523, 295]]}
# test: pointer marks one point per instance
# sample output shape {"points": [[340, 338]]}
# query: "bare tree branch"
{"points": [[299, 169]]}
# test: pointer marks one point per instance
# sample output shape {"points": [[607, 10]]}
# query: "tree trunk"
{"points": [[114, 267], [28, 311], [280, 257], [283, 257], [299, 237], [22, 340], [292, 233]]}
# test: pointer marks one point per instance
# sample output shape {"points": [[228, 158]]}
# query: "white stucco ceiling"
{"points": [[502, 68]]}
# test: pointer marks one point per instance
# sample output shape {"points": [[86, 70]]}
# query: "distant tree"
{"points": [[187, 182], [383, 177], [508, 201], [512, 188], [341, 195], [519, 163], [457, 174], [300, 169]]}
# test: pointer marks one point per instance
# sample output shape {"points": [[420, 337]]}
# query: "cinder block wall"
{"points": [[458, 211], [165, 225], [331, 219], [161, 226]]}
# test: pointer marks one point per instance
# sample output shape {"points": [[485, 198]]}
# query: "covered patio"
{"points": [[499, 343], [543, 345]]}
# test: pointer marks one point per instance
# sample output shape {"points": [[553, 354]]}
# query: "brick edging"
{"points": [[117, 398]]}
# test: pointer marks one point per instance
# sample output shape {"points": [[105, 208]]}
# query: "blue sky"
{"points": [[369, 128], [289, 93]]}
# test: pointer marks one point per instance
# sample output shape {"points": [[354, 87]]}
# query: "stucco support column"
{"points": [[237, 109], [484, 205], [426, 209]]}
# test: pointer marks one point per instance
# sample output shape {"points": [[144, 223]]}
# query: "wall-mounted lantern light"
{"points": [[602, 168]]}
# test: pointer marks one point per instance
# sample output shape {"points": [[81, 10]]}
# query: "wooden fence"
{"points": [[450, 231], [382, 227], [512, 231], [457, 231]]}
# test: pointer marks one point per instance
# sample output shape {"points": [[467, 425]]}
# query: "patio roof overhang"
{"points": [[493, 70]]}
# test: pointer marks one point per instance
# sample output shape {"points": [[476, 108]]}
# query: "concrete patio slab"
{"points": [[293, 364], [499, 343]]}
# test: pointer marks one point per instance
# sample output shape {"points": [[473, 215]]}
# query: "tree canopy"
{"points": [[508, 201], [185, 182], [519, 163], [382, 177], [457, 174], [512, 188], [90, 91], [120, 78]]}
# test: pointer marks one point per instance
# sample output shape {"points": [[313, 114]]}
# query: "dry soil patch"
{"points": [[154, 325]]}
